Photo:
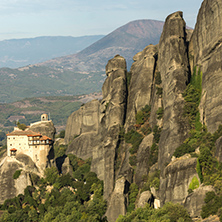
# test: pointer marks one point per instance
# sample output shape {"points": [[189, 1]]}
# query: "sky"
{"points": [[33, 18]]}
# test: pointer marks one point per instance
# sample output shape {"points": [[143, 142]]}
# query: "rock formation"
{"points": [[205, 52], [174, 70], [157, 78]]}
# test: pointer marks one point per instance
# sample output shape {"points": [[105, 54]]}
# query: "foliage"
{"points": [[133, 192], [132, 160], [213, 203], [158, 80], [135, 139], [51, 175], [59, 150], [143, 115], [153, 180], [192, 96], [153, 154], [156, 133], [21, 126], [128, 78], [67, 200], [159, 91], [17, 174], [183, 149], [146, 129], [194, 184], [168, 213], [160, 112], [199, 171], [62, 134]]}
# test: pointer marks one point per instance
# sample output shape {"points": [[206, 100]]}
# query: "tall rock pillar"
{"points": [[174, 70]]}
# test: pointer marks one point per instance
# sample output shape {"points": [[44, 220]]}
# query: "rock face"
{"points": [[145, 197], [117, 200], [100, 124], [176, 179], [218, 151], [174, 70], [206, 52], [84, 120], [9, 186], [142, 71], [195, 200], [45, 128], [143, 154]]}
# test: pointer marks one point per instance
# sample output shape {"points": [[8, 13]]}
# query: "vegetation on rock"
{"points": [[76, 197], [169, 212]]}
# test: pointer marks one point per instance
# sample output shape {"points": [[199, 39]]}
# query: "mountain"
{"points": [[126, 41], [81, 73], [21, 52]]}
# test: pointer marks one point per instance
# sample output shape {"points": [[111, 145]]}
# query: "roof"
{"points": [[13, 149], [45, 138], [23, 133]]}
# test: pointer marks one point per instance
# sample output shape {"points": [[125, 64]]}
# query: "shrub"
{"points": [[183, 149], [194, 184], [159, 91], [132, 160], [146, 129], [62, 134], [160, 112], [17, 174], [135, 139], [133, 192], [213, 203], [156, 131], [158, 80]]}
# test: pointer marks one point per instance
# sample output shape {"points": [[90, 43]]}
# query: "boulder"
{"points": [[194, 201], [145, 197], [175, 180]]}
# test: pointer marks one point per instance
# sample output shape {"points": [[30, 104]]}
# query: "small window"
{"points": [[13, 138], [10, 144], [8, 138]]}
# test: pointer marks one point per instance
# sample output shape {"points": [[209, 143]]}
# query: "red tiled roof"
{"points": [[45, 138], [23, 133], [13, 149]]}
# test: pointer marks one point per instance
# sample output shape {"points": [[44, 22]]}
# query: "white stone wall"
{"points": [[18, 142]]}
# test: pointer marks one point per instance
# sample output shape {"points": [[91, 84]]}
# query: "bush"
{"points": [[183, 149], [62, 134], [160, 112], [17, 174], [156, 134], [158, 80], [213, 203], [194, 184], [159, 91], [132, 160], [135, 139]]}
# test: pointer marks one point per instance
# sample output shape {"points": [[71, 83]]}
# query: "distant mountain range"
{"points": [[126, 41], [16, 53], [80, 73]]}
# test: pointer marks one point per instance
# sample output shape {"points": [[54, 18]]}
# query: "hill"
{"points": [[22, 52], [29, 110], [82, 73], [126, 41]]}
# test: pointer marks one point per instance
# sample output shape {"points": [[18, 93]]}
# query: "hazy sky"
{"points": [[32, 18]]}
